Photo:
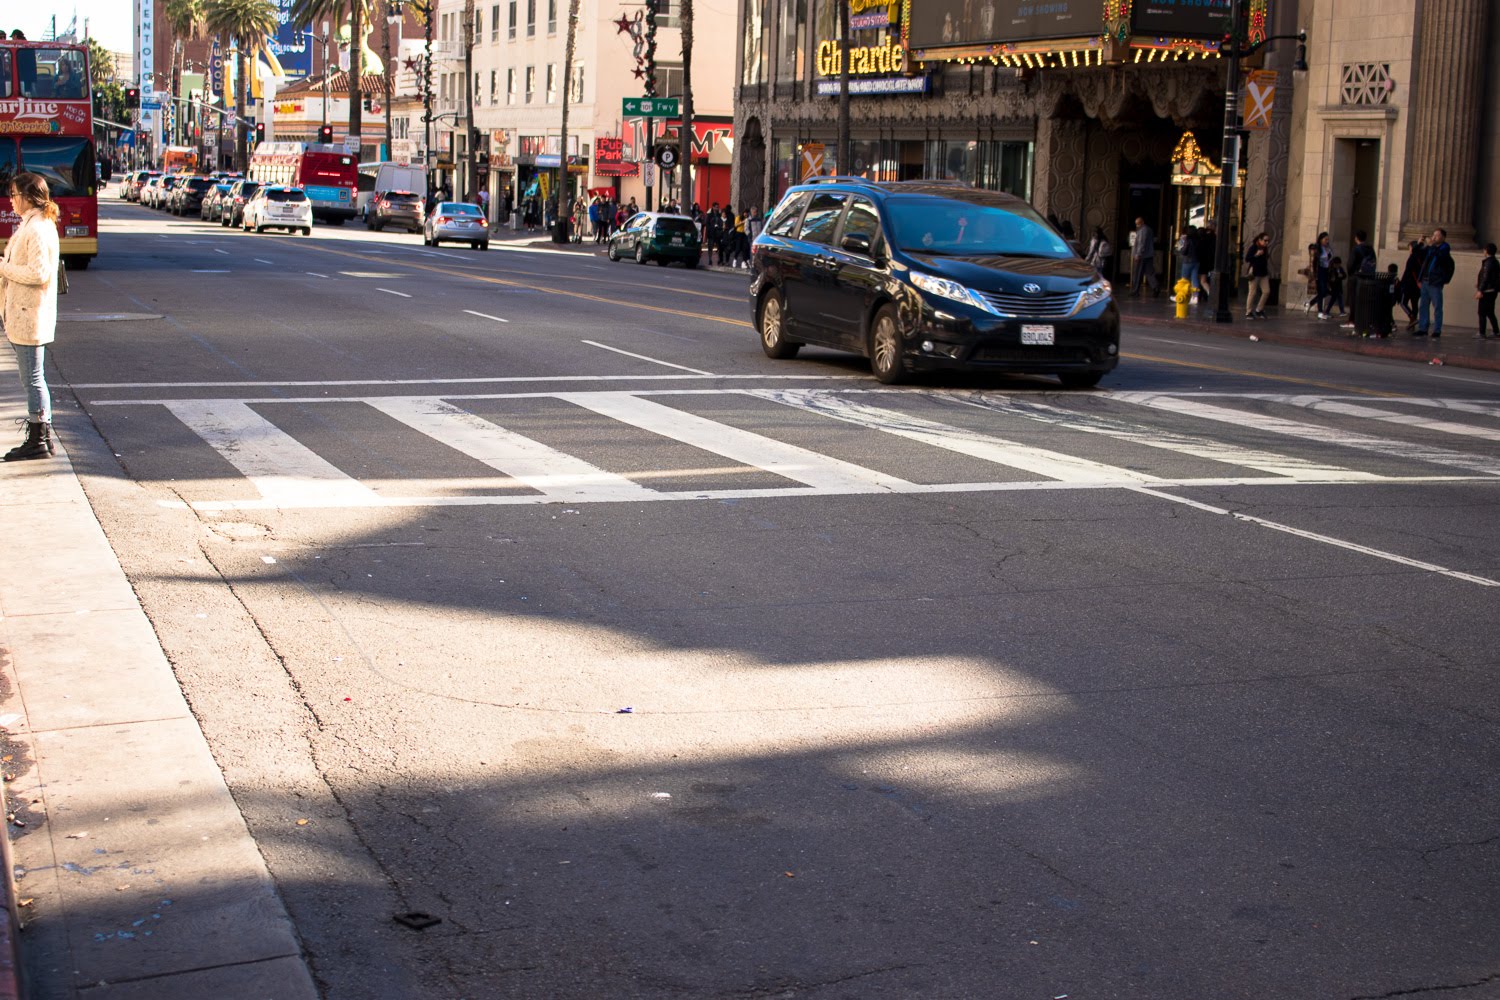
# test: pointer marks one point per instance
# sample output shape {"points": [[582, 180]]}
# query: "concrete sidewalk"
{"points": [[139, 877]]}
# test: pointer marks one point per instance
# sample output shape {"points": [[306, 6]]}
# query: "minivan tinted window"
{"points": [[281, 194], [964, 228], [669, 226], [822, 217], [785, 219]]}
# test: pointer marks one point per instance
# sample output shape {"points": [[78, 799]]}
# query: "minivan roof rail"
{"points": [[836, 179]]}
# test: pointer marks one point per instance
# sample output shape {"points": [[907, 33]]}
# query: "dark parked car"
{"points": [[188, 195], [213, 202], [394, 208], [656, 236], [234, 202], [922, 275]]}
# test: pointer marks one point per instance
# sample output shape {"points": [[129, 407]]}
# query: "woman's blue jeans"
{"points": [[30, 359]]}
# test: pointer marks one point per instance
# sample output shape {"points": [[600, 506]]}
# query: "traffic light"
{"points": [[325, 133], [132, 97], [260, 132]]}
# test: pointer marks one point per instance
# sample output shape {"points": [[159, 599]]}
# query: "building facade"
{"points": [[1078, 107], [1396, 131]]}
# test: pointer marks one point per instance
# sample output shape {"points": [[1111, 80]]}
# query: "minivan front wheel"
{"points": [[773, 328], [886, 362]]}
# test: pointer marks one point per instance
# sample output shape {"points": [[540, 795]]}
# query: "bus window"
{"points": [[7, 164], [5, 73], [65, 162]]}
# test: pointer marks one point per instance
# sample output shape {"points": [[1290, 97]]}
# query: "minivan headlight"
{"points": [[1093, 295], [950, 290]]}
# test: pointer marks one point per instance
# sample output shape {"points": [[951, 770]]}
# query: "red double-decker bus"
{"points": [[47, 127], [328, 174]]}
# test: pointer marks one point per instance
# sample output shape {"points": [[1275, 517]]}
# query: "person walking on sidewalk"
{"points": [[28, 284], [1323, 262], [1206, 246], [1437, 271], [1310, 272], [1143, 259], [1186, 252], [1485, 290], [1411, 282], [1100, 252], [1336, 278], [1258, 266]]}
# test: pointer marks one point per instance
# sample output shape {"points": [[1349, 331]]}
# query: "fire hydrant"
{"points": [[1184, 293]]}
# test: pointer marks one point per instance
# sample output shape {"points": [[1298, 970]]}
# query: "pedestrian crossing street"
{"points": [[693, 444]]}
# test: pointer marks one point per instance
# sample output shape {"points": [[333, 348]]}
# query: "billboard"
{"points": [[1181, 18], [943, 23], [291, 46]]}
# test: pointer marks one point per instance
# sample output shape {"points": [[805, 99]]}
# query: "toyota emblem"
{"points": [[1031, 288]]}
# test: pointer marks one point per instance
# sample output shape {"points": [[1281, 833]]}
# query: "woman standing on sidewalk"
{"points": [[1486, 288], [28, 281]]}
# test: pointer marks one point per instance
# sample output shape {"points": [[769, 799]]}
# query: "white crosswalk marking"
{"points": [[785, 460], [286, 472], [1185, 444], [289, 474], [1356, 440], [1052, 464], [546, 470]]}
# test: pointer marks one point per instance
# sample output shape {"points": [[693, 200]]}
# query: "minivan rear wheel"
{"points": [[773, 328], [886, 362]]}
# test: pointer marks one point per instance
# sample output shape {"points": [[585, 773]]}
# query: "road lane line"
{"points": [[392, 291], [786, 460], [210, 270], [315, 274], [259, 260], [1389, 447], [557, 474], [1180, 343], [224, 252], [1325, 539], [1012, 454], [497, 319], [654, 361], [1155, 437], [285, 471]]}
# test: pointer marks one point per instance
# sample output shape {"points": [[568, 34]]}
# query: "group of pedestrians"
{"points": [[729, 234]]}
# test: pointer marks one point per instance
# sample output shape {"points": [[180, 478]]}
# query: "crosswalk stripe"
{"points": [[1319, 404], [785, 460], [284, 470], [1312, 432], [1040, 461], [544, 469], [1184, 444]]}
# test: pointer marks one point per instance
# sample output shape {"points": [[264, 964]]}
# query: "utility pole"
{"points": [[325, 72], [844, 153], [471, 161], [1229, 167]]}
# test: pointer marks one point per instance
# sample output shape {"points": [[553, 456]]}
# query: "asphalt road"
{"points": [[1181, 688]]}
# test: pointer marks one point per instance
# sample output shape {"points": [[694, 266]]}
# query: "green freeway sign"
{"points": [[652, 107]]}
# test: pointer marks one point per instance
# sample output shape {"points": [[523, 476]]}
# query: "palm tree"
{"points": [[101, 64], [248, 23], [685, 136], [564, 193], [185, 19], [360, 13]]}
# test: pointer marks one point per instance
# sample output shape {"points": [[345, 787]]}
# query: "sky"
{"points": [[112, 22]]}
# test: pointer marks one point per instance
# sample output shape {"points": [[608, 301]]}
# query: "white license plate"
{"points": [[677, 241], [1038, 333]]}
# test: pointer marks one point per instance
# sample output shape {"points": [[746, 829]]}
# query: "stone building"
{"points": [[1397, 129], [1075, 106]]}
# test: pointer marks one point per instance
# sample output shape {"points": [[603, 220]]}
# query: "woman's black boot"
{"points": [[38, 443]]}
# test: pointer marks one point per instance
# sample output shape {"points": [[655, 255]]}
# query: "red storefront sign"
{"points": [[609, 158]]}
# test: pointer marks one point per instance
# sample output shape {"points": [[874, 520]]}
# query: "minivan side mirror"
{"points": [[857, 243]]}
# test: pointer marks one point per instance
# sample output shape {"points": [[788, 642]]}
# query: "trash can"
{"points": [[1371, 303]]}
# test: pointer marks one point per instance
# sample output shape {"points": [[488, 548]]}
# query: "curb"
{"points": [[1348, 345], [10, 932]]}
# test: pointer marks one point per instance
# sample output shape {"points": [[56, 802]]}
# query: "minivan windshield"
{"points": [[953, 228], [286, 194]]}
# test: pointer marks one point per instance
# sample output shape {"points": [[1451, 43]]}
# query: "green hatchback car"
{"points": [[648, 236]]}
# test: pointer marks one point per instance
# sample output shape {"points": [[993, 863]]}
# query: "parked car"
{"points": [[188, 195], [213, 202], [152, 191], [457, 222], [139, 181], [161, 191], [657, 236], [126, 182], [394, 208], [276, 206], [923, 275], [233, 212]]}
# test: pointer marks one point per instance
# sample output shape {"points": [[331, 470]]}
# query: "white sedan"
{"points": [[278, 207]]}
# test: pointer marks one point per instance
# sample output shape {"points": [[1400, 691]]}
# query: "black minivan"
{"points": [[924, 275]]}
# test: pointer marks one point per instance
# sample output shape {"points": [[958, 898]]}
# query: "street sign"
{"points": [[648, 174], [812, 160], [652, 107]]}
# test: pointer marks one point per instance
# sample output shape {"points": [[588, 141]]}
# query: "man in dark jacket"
{"points": [[1437, 271], [1362, 257]]}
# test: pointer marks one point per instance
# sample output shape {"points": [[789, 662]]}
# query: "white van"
{"points": [[386, 176]]}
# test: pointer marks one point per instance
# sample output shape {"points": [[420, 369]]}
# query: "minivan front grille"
{"points": [[1053, 305]]}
